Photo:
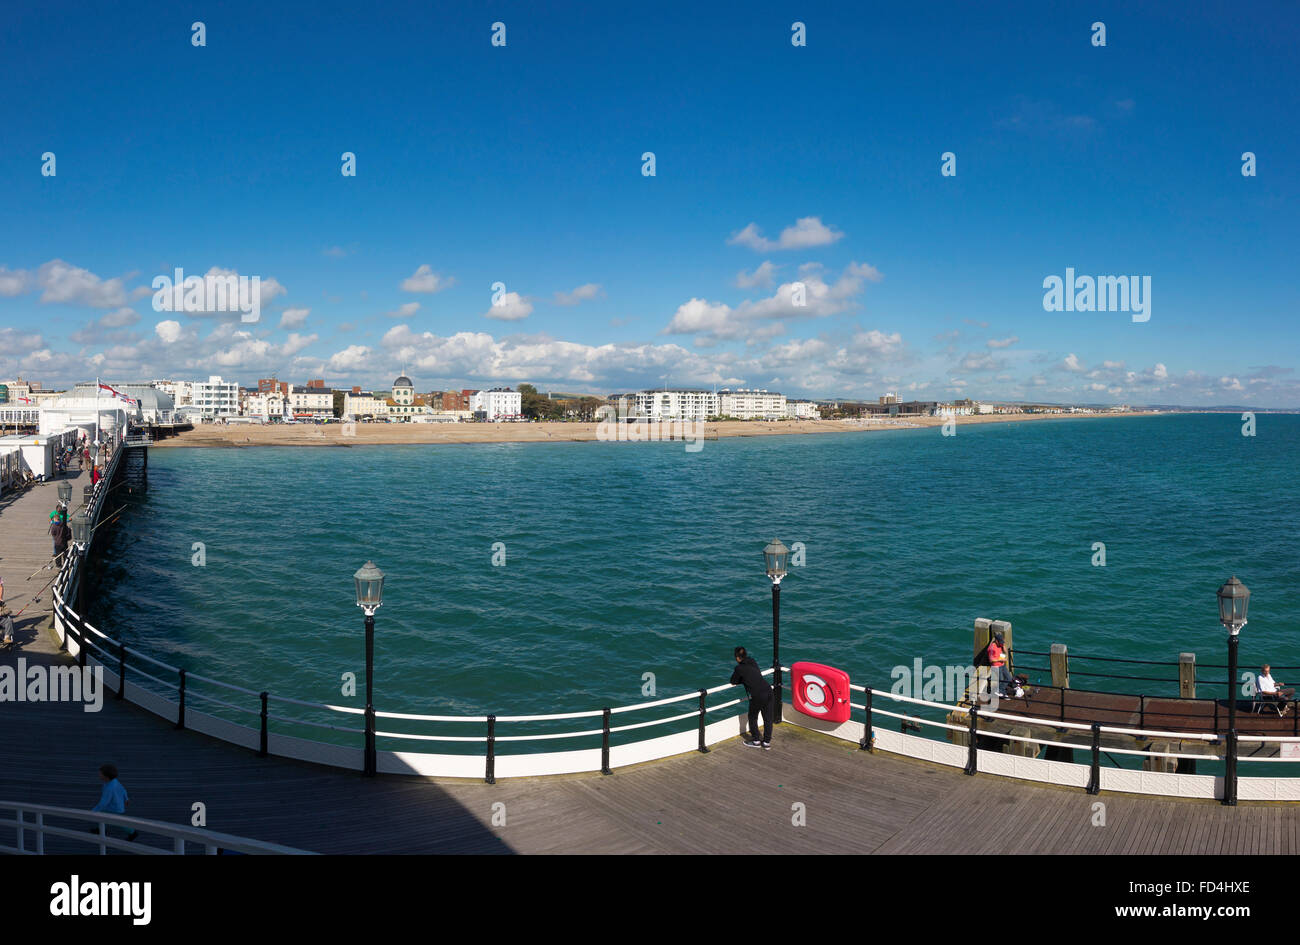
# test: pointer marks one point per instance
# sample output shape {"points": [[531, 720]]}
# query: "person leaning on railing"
{"points": [[1270, 688], [760, 698]]}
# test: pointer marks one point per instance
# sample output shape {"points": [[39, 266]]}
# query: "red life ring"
{"points": [[821, 691]]}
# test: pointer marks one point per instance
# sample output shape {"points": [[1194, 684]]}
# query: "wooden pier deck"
{"points": [[732, 800]]}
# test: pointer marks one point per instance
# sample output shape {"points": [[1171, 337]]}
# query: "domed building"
{"points": [[403, 404]]}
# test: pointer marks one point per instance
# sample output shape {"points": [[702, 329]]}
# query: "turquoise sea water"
{"points": [[628, 558]]}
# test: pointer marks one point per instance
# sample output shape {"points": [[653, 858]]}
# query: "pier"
{"points": [[818, 791]]}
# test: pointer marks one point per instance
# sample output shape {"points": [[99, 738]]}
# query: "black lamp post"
{"points": [[65, 496], [777, 558], [81, 533], [370, 594], [1234, 599]]}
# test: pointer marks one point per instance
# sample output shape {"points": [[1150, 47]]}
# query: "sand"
{"points": [[374, 434]]}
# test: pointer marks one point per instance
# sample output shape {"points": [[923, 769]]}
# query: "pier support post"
{"points": [[490, 776], [868, 737], [972, 752], [703, 749], [1060, 663], [1094, 777], [604, 742], [1187, 675]]}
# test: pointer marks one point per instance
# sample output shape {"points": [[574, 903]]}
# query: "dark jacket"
{"points": [[748, 673]]}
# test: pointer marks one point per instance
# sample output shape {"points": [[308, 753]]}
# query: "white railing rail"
{"points": [[30, 825]]}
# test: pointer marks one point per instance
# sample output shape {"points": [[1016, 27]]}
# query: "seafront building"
{"points": [[801, 410], [680, 404], [497, 405], [745, 404], [215, 399]]}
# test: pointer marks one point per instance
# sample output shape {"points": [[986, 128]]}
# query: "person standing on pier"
{"points": [[6, 626], [760, 698], [112, 798], [997, 653]]}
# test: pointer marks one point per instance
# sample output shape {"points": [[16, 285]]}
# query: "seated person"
{"points": [[1270, 688]]}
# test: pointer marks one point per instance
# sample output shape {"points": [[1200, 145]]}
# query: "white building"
{"points": [[499, 403], [181, 391], [801, 410], [215, 398], [751, 404], [661, 405], [266, 405], [358, 404], [311, 402]]}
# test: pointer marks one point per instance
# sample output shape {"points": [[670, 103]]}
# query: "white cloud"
{"points": [[405, 310], [806, 233], [1072, 363], [1002, 342], [425, 280], [294, 317], [169, 331], [711, 322], [582, 293], [66, 283], [511, 307], [349, 359], [14, 281], [1160, 371], [760, 278]]}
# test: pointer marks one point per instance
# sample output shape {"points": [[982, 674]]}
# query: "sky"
{"points": [[501, 227]]}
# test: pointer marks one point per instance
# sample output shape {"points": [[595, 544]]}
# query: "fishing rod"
{"points": [[47, 564], [37, 598]]}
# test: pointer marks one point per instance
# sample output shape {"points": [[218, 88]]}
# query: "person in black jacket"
{"points": [[760, 698]]}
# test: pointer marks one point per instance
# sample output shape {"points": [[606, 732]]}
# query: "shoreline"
{"points": [[412, 434]]}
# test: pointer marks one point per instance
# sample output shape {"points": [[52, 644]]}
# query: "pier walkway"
{"points": [[731, 800]]}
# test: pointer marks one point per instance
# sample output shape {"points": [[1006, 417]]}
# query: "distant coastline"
{"points": [[394, 434]]}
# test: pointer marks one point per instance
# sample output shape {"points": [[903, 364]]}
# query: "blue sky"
{"points": [[775, 164]]}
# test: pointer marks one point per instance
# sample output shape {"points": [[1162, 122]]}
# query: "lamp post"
{"points": [[1234, 599], [81, 533], [370, 595], [65, 496], [776, 556]]}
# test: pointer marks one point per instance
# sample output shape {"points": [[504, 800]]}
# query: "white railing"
{"points": [[1092, 776], [33, 824]]}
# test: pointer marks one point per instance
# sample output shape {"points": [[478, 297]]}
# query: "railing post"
{"points": [[40, 834], [180, 709], [1142, 711], [1094, 777], [490, 775], [81, 636], [604, 743], [1060, 663], [866, 743], [261, 750], [703, 749], [1187, 675], [121, 670], [22, 831], [1230, 770], [972, 754], [1062, 703]]}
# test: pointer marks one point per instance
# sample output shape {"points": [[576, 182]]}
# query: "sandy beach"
{"points": [[375, 434]]}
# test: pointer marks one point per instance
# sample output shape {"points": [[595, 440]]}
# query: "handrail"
{"points": [[180, 834]]}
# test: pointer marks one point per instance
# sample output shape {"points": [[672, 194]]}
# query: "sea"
{"points": [[558, 577]]}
